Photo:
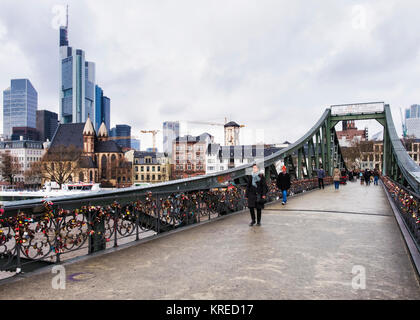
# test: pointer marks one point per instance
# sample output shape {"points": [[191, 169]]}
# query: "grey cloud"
{"points": [[267, 64]]}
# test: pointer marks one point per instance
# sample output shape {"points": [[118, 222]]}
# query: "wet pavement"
{"points": [[315, 247]]}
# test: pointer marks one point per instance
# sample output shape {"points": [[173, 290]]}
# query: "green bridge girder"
{"points": [[319, 146]]}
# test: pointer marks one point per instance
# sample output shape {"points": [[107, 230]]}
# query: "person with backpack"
{"points": [[283, 183]]}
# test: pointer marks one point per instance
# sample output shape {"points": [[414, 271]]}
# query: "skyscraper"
{"points": [[412, 120], [135, 144], [77, 83], [46, 124], [102, 109], [20, 102], [170, 133], [122, 135]]}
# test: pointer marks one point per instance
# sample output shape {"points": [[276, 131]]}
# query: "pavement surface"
{"points": [[318, 246]]}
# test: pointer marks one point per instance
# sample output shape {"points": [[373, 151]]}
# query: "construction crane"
{"points": [[153, 132], [212, 123]]}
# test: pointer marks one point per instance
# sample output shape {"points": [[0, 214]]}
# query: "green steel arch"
{"points": [[319, 146]]}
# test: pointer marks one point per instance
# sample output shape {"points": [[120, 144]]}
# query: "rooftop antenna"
{"points": [[67, 17]]}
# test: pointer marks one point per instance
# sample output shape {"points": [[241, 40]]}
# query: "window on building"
{"points": [[137, 177]]}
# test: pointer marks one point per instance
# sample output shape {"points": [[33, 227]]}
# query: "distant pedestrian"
{"points": [[336, 178], [375, 177], [367, 177], [321, 176], [256, 191], [283, 183]]}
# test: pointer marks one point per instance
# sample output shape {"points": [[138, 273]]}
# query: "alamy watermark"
{"points": [[359, 280], [58, 282]]}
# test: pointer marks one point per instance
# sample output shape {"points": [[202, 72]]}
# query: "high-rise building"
{"points": [[102, 109], [25, 133], [122, 135], [77, 83], [20, 102], [46, 124], [412, 121], [135, 144], [170, 133]]}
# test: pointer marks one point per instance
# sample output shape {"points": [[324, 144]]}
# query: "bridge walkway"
{"points": [[305, 250]]}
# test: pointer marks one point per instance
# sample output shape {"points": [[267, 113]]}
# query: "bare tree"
{"points": [[357, 152], [9, 166], [33, 175], [59, 163]]}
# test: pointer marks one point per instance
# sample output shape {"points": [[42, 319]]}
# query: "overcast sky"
{"points": [[271, 65]]}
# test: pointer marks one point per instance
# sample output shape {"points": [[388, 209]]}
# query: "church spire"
{"points": [[88, 129]]}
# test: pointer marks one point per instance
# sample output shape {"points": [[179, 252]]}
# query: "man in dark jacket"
{"points": [[321, 176], [283, 183], [256, 191]]}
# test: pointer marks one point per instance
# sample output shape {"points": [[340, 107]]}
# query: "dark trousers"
{"points": [[252, 211], [321, 183]]}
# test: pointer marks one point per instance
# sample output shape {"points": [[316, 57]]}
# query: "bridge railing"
{"points": [[57, 233], [408, 204]]}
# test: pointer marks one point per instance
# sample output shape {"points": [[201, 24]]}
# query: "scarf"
{"points": [[255, 179]]}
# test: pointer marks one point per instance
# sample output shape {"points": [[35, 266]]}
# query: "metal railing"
{"points": [[408, 204], [57, 232]]}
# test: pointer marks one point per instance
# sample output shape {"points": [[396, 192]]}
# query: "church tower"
{"points": [[103, 132], [88, 138]]}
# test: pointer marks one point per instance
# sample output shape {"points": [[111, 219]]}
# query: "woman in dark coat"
{"points": [[256, 191]]}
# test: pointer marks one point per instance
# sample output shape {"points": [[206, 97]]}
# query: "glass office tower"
{"points": [[412, 121], [170, 132], [20, 103], [77, 83], [122, 133], [102, 109]]}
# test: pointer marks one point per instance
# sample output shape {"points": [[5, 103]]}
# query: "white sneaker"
{"points": [[283, 203]]}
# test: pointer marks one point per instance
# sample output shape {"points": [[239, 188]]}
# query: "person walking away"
{"points": [[256, 191], [375, 177], [336, 178], [321, 176], [362, 177], [367, 177], [283, 183], [351, 175]]}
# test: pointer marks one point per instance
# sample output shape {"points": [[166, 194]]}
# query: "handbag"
{"points": [[260, 199]]}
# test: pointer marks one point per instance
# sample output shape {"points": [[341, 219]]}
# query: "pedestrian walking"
{"points": [[283, 183], [336, 178], [321, 176], [375, 177], [367, 177], [256, 191]]}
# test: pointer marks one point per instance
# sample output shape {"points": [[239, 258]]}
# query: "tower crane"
{"points": [[153, 132]]}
